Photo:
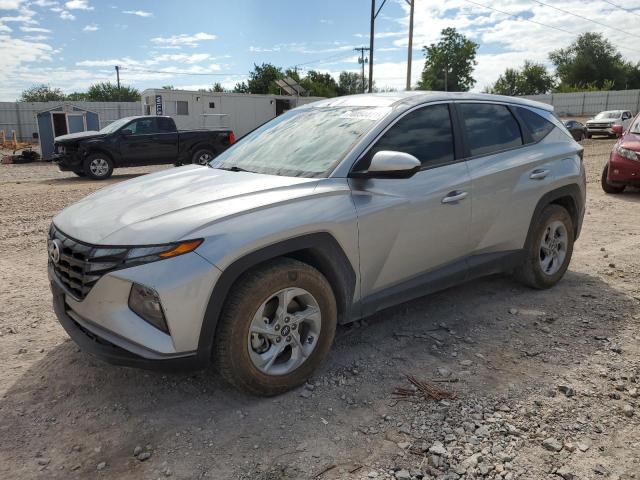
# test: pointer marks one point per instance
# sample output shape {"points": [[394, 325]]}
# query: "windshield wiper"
{"points": [[233, 169]]}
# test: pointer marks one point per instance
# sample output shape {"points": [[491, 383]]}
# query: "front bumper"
{"points": [[623, 171], [102, 323], [68, 161], [593, 130]]}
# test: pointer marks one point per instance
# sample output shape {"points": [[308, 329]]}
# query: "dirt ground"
{"points": [[546, 382]]}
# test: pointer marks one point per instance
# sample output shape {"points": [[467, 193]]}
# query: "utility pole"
{"points": [[410, 48], [362, 60], [118, 76], [374, 15], [446, 87]]}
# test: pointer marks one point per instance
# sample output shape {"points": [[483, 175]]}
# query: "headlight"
{"points": [[626, 153], [159, 252], [145, 302]]}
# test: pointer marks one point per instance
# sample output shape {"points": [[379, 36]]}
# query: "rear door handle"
{"points": [[538, 174], [455, 196]]}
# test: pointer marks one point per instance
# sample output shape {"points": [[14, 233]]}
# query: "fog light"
{"points": [[145, 302]]}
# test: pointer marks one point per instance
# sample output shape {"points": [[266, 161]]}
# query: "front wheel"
{"points": [[606, 186], [548, 251], [202, 156], [98, 166], [276, 328]]}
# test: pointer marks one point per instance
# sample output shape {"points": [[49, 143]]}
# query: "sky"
{"points": [[72, 44]]}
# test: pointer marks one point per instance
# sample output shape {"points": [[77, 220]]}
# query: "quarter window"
{"points": [[425, 133], [537, 126], [489, 128]]}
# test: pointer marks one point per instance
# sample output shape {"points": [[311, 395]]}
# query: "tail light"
{"points": [[232, 138]]}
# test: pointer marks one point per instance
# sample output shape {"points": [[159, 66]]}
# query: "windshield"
{"points": [[307, 142], [113, 126], [602, 115]]}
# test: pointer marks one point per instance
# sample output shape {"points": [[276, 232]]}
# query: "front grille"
{"points": [[599, 125], [81, 265]]}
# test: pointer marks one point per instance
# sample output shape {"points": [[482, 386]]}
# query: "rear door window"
{"points": [[489, 128], [538, 127]]}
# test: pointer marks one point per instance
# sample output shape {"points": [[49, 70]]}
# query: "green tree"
{"points": [[262, 78], [349, 83], [109, 92], [241, 88], [319, 84], [77, 97], [217, 87], [167, 87], [590, 60], [41, 93], [532, 79], [453, 57]]}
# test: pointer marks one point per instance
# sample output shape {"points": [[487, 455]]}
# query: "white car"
{"points": [[602, 124]]}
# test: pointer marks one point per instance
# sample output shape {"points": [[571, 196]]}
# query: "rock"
{"points": [[612, 265], [101, 466], [513, 311], [627, 410], [566, 473], [137, 450], [483, 431], [44, 461], [472, 461], [404, 445], [372, 474], [583, 447], [569, 447], [444, 372], [144, 456], [552, 444], [306, 393], [438, 449], [403, 475], [466, 363], [633, 392], [601, 470], [567, 390]]}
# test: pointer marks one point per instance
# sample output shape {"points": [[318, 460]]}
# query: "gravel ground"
{"points": [[545, 382]]}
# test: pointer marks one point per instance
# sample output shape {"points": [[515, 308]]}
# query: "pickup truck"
{"points": [[135, 141]]}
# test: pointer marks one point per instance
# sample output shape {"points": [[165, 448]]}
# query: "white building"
{"points": [[239, 111]]}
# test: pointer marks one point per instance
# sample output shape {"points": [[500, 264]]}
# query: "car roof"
{"points": [[416, 97]]}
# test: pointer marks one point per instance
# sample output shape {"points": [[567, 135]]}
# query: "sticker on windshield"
{"points": [[366, 113]]}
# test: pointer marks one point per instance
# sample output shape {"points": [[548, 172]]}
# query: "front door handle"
{"points": [[538, 174], [455, 196]]}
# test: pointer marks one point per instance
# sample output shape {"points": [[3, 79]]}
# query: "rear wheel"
{"points": [[202, 156], [606, 186], [548, 251], [276, 328], [98, 166]]}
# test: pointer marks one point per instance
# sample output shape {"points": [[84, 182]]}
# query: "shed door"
{"points": [[76, 123], [45, 134]]}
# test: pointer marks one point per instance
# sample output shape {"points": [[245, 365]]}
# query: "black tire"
{"points": [[79, 173], [202, 156], [231, 346], [581, 136], [606, 186], [90, 166], [530, 272]]}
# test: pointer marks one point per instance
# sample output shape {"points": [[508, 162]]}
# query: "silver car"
{"points": [[322, 216], [603, 123]]}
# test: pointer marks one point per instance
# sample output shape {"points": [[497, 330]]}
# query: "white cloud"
{"points": [[45, 3], [139, 13], [64, 15], [92, 27], [78, 5], [5, 28], [10, 4], [35, 29], [184, 39]]}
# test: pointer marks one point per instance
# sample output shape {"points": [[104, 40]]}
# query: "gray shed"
{"points": [[61, 120]]}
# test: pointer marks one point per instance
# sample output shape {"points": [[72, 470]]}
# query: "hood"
{"points": [[78, 136], [604, 120], [630, 141], [173, 204]]}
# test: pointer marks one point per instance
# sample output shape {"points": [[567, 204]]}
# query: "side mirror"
{"points": [[617, 129], [125, 132], [390, 164]]}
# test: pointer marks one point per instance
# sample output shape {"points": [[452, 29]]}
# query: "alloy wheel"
{"points": [[553, 247], [99, 167], [284, 331]]}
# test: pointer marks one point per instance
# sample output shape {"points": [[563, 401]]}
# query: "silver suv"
{"points": [[324, 215]]}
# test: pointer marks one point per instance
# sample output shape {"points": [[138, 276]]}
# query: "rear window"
{"points": [[537, 126], [489, 128]]}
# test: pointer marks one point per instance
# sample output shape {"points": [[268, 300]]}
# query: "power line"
{"points": [[517, 17], [166, 72], [585, 18], [323, 60], [622, 8]]}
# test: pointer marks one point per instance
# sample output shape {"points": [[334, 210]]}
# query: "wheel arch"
{"points": [[320, 250], [567, 197], [93, 150], [203, 145]]}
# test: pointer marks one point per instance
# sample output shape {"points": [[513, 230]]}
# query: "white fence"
{"points": [[590, 103], [21, 116]]}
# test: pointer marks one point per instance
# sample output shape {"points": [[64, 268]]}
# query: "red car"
{"points": [[623, 167]]}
